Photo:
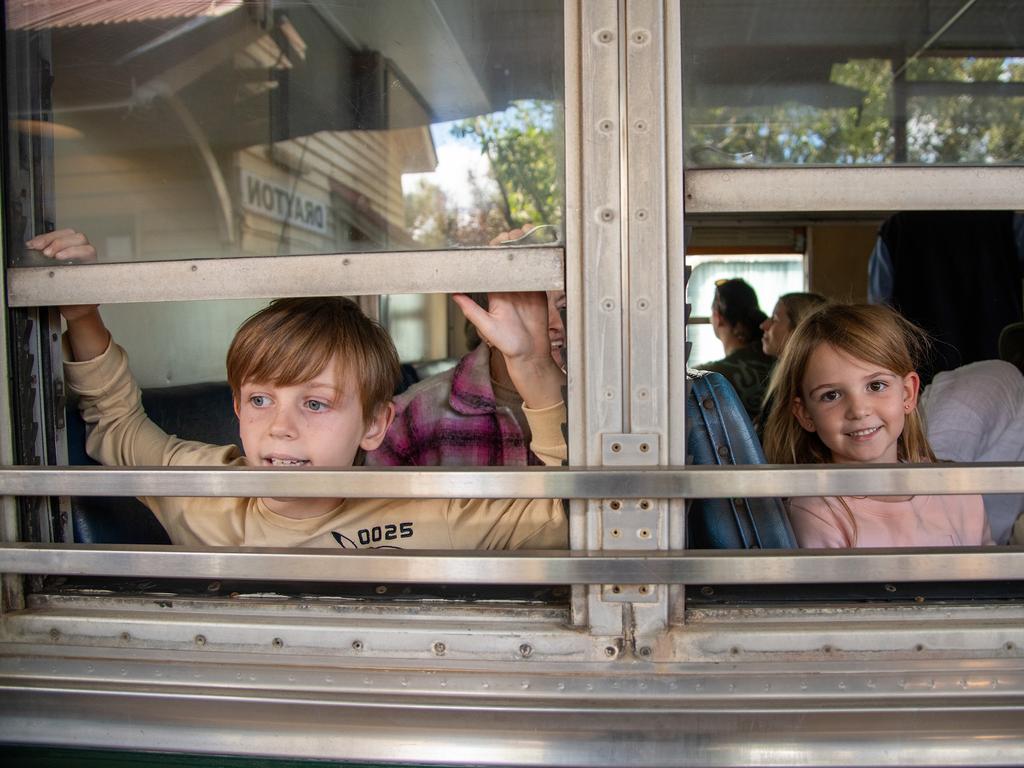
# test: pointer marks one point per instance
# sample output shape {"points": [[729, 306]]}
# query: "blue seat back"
{"points": [[720, 432]]}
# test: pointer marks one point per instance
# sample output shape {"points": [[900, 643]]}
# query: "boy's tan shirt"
{"points": [[120, 434]]}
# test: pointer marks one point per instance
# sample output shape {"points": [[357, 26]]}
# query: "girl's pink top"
{"points": [[822, 522]]}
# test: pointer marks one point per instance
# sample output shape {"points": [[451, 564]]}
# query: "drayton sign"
{"points": [[280, 203]]}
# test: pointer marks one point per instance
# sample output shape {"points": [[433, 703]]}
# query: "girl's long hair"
{"points": [[868, 332]]}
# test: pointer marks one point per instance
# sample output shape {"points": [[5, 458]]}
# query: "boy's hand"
{"points": [[66, 245], [516, 324], [63, 245]]}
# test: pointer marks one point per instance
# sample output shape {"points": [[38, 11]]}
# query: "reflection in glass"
{"points": [[230, 128], [779, 82]]}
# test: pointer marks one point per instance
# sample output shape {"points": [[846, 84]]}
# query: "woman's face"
{"points": [[776, 330]]}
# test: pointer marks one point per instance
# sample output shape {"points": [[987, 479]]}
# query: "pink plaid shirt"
{"points": [[453, 419]]}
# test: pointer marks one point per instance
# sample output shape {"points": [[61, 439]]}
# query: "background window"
{"points": [[770, 275], [781, 82]]}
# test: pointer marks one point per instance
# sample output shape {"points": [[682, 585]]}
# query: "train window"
{"points": [[367, 149], [893, 83], [770, 275], [221, 153], [262, 129]]}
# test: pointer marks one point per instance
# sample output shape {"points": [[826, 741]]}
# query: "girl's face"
{"points": [[858, 408], [776, 330]]}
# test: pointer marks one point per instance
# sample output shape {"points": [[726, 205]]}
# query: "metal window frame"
{"points": [[591, 483], [620, 134], [526, 568], [519, 268], [465, 683], [789, 190], [623, 302]]}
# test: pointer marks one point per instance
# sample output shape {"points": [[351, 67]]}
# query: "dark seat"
{"points": [[196, 412], [719, 432]]}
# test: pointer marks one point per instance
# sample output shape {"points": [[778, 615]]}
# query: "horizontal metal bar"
{"points": [[496, 483], [696, 567], [488, 730], [536, 268], [852, 188]]}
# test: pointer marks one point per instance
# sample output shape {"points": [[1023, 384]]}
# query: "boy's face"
{"points": [[318, 423]]}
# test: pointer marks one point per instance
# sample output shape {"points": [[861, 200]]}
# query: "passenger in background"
{"points": [[1011, 345], [736, 319], [789, 310], [976, 413], [1011, 349], [957, 274], [845, 392], [470, 415]]}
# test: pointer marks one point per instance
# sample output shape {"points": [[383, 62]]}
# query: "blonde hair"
{"points": [[867, 332], [292, 341], [799, 305]]}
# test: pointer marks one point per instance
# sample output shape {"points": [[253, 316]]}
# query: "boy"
{"points": [[312, 382]]}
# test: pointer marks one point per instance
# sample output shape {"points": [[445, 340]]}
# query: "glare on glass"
{"points": [[229, 128]]}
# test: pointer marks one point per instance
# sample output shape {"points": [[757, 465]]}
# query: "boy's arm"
{"points": [[516, 324], [120, 433], [87, 336]]}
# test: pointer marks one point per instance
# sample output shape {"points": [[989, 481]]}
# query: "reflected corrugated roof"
{"points": [[51, 14]]}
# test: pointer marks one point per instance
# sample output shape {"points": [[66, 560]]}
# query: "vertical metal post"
{"points": [[675, 240], [595, 312], [646, 296], [12, 584], [573, 227], [630, 394]]}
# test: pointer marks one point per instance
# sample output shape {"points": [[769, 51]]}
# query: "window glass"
{"points": [[172, 343], [230, 128], [422, 326], [175, 343], [780, 82], [769, 275]]}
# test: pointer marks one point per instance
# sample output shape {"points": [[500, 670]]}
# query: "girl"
{"points": [[845, 392], [789, 310]]}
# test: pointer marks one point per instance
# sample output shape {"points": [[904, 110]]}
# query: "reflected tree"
{"points": [[523, 146], [433, 220], [957, 110]]}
